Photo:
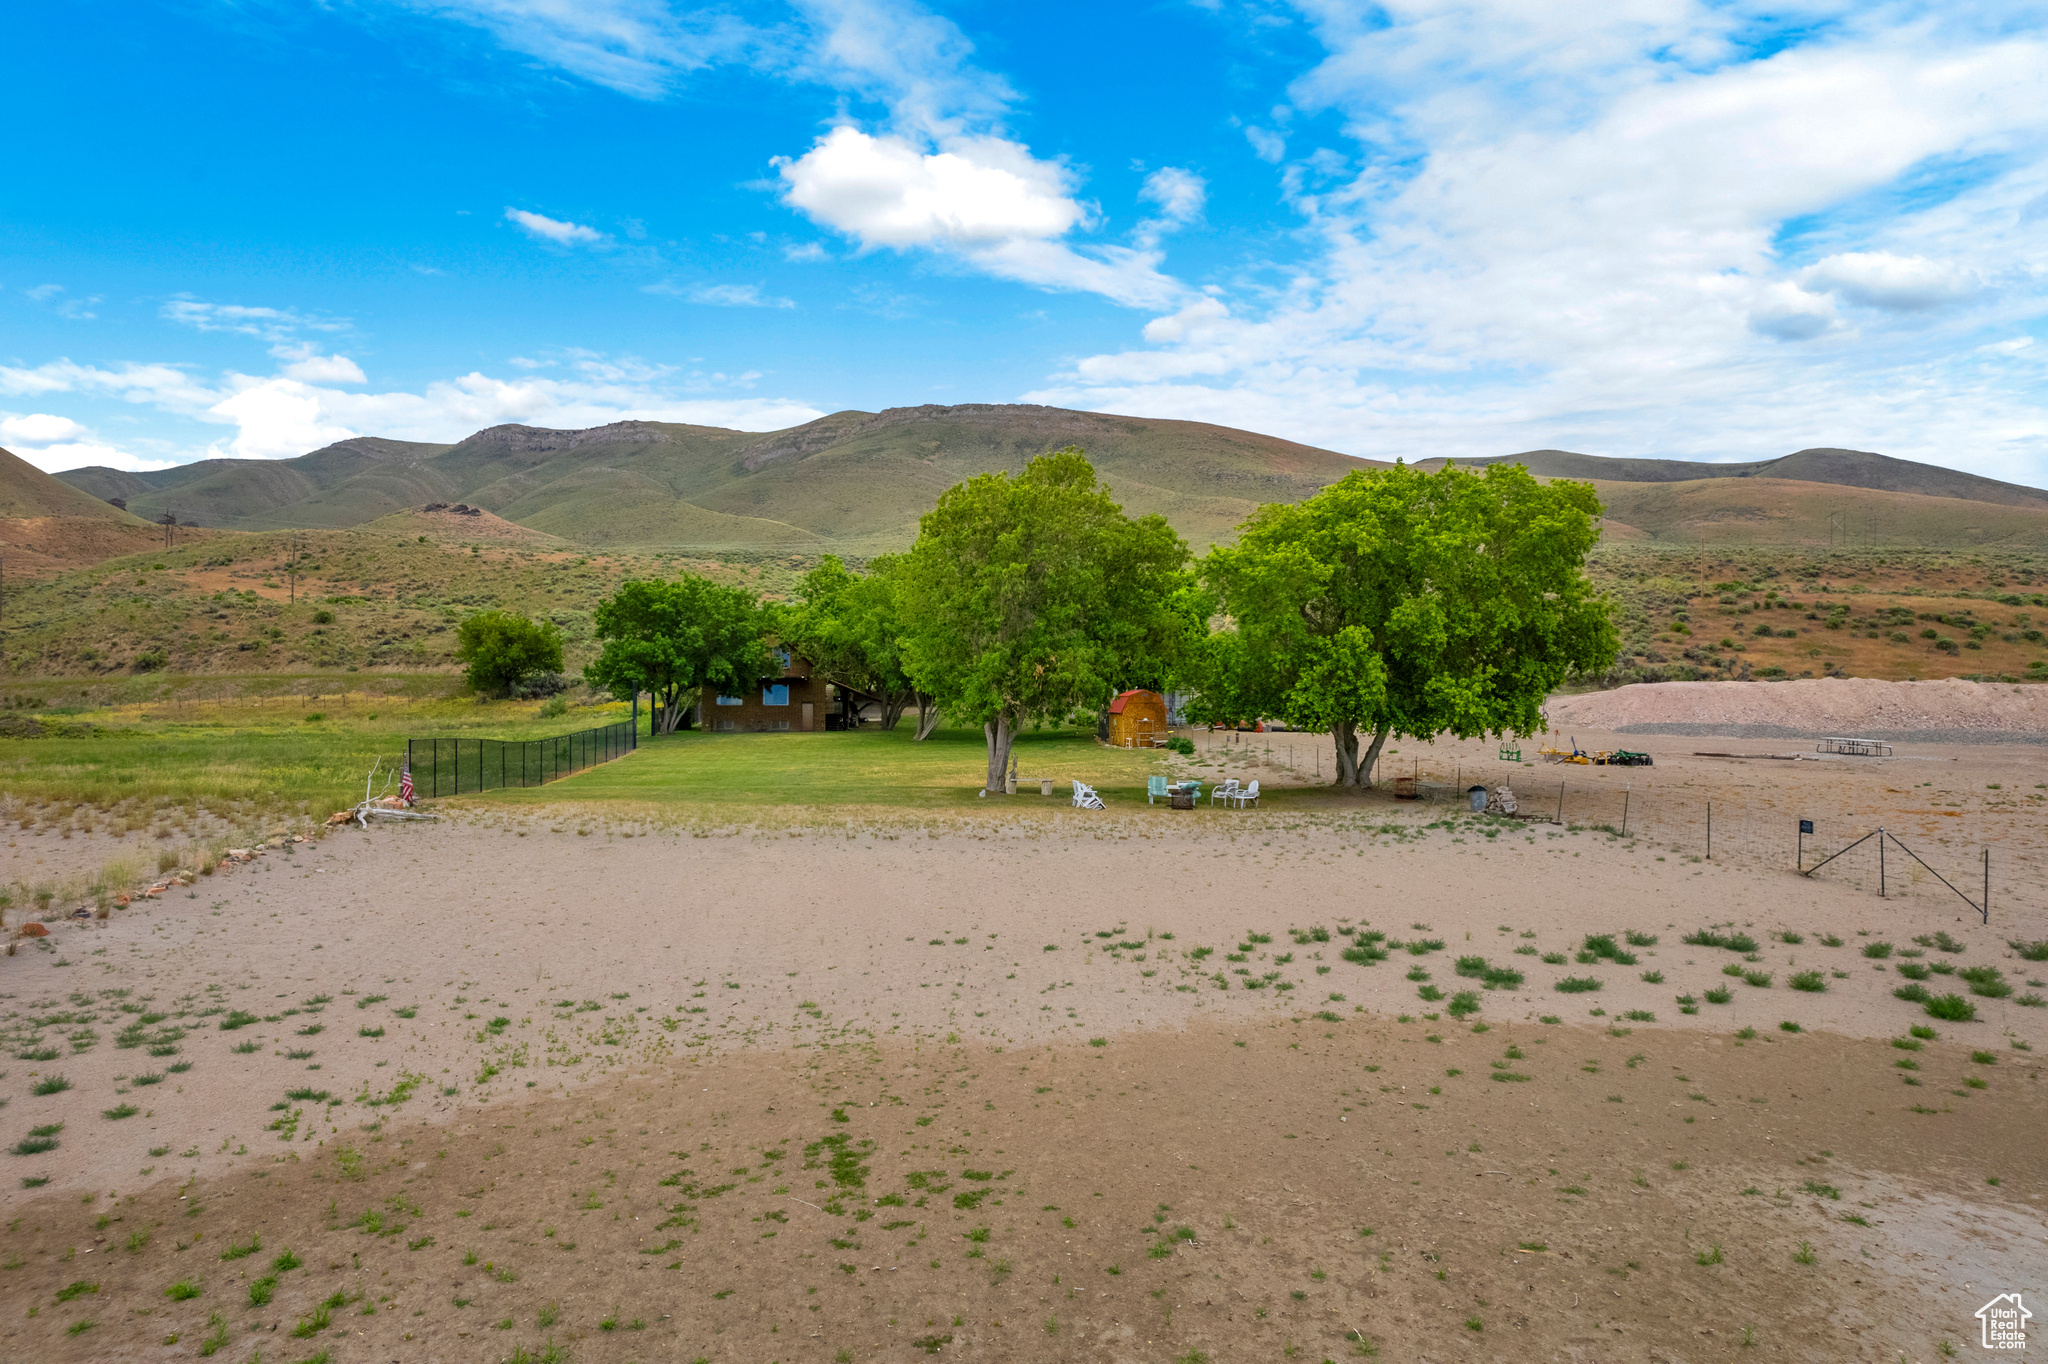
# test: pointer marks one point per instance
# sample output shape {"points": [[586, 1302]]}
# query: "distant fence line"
{"points": [[454, 767], [1732, 826]]}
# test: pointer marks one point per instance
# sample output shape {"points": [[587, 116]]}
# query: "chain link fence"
{"points": [[454, 767]]}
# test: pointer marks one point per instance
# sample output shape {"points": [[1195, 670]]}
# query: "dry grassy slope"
{"points": [[346, 483], [856, 480], [1849, 468], [27, 491], [1775, 511]]}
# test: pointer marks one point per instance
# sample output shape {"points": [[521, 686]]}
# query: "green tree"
{"points": [[1027, 598], [850, 628], [502, 648], [1399, 602], [676, 638]]}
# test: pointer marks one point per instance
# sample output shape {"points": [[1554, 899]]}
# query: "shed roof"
{"points": [[1116, 707]]}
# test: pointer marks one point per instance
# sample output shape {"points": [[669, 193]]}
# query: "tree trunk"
{"points": [[927, 716], [892, 708], [1345, 735], [1372, 756], [670, 711], [1000, 736]]}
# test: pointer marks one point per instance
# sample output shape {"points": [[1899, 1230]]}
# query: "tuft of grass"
{"points": [[1805, 1254], [1877, 951], [1576, 985], [1813, 982], [50, 1084], [182, 1290], [1951, 1009]]}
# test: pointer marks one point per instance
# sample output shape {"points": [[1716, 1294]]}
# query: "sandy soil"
{"points": [[1949, 710], [528, 993]]}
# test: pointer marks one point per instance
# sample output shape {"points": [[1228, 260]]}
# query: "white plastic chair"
{"points": [[1224, 791], [1247, 795], [1085, 797]]}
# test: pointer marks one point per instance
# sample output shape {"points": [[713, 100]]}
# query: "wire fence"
{"points": [[453, 767], [1934, 860]]}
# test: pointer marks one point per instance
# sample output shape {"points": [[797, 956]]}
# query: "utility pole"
{"points": [[169, 521], [292, 566]]}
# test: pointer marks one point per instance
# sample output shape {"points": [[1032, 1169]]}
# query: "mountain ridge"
{"points": [[856, 482]]}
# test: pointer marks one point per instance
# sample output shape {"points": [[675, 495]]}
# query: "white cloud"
{"points": [[55, 459], [1603, 227], [805, 254], [304, 361], [287, 414], [38, 428], [986, 200], [51, 295], [637, 47], [271, 324], [1879, 279], [553, 229], [1267, 145], [737, 296], [54, 443]]}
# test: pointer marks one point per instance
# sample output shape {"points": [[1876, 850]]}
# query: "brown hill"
{"points": [[1842, 468], [855, 481]]}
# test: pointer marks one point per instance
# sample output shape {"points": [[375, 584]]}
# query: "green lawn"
{"points": [[273, 758], [865, 767]]}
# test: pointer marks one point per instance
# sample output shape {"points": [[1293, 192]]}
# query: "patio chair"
{"points": [[1154, 786], [1246, 795], [1223, 791], [1085, 797]]}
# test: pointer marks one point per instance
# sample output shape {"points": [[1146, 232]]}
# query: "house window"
{"points": [[782, 657], [726, 726], [732, 700], [775, 695]]}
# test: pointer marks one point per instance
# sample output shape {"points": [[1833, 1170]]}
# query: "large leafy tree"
{"points": [[1399, 602], [502, 648], [674, 639], [1028, 598], [850, 628]]}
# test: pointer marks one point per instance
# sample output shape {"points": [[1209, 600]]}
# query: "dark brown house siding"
{"points": [[793, 702]]}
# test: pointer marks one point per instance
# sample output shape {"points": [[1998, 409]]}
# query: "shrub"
{"points": [[1877, 950], [150, 660], [1986, 981], [1951, 1009], [1915, 993], [502, 648], [2031, 951], [1577, 985], [1813, 982]]}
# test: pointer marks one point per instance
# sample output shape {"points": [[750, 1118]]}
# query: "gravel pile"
{"points": [[1948, 711]]}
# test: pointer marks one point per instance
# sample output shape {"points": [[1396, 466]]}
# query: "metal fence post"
{"points": [[1710, 829]]}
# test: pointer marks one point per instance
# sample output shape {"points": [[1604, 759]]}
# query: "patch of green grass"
{"points": [[50, 1084], [1576, 985], [182, 1290], [119, 1111], [1951, 1009]]}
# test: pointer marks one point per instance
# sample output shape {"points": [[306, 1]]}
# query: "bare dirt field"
{"points": [[1148, 1085]]}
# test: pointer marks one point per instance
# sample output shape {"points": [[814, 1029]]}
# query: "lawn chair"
{"points": [[1085, 797], [1155, 786], [1223, 791], [1246, 795]]}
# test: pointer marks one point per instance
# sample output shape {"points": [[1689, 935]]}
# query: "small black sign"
{"points": [[1806, 826]]}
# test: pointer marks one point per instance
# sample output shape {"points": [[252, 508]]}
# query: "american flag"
{"points": [[405, 781]]}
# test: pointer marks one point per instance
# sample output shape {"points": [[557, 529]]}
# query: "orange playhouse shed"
{"points": [[1137, 719]]}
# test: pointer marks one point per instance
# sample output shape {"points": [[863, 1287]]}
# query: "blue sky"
{"points": [[1630, 227]]}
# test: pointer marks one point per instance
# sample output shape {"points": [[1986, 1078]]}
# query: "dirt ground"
{"points": [[1050, 1084]]}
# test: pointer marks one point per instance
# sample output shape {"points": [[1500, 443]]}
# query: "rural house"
{"points": [[792, 701]]}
